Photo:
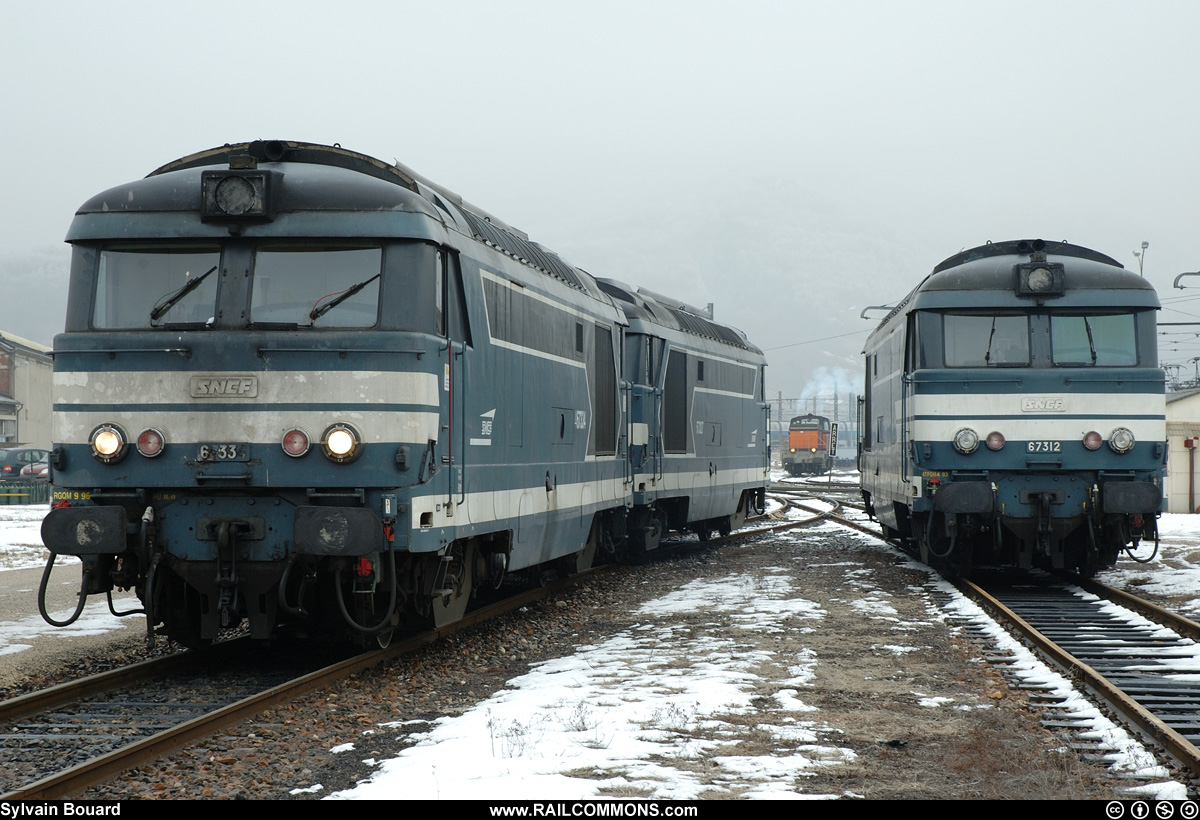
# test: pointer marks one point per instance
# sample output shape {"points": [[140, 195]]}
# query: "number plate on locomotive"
{"points": [[1044, 447], [223, 452]]}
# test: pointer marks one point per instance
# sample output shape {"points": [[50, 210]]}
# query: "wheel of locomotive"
{"points": [[384, 639], [725, 526], [452, 584]]}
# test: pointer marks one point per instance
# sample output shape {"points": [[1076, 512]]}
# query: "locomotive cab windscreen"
{"points": [[1060, 338]]}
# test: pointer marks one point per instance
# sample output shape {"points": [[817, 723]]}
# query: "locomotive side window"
{"points": [[152, 287], [604, 395], [986, 340], [675, 404], [321, 287], [1105, 340], [456, 303], [439, 287]]}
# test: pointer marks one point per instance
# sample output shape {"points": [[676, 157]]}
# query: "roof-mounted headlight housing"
{"points": [[341, 443], [237, 196], [1041, 280], [108, 443]]}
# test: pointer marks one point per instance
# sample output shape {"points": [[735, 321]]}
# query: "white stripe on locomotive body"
{"points": [[670, 480], [1041, 428], [728, 393], [250, 426], [185, 418], [610, 313], [504, 505], [1073, 405], [714, 357], [1144, 414], [529, 351]]}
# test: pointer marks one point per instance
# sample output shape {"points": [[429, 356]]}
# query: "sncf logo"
{"points": [[207, 387], [1038, 404]]}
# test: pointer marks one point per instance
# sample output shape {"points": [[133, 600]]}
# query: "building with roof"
{"points": [[26, 370], [1182, 485]]}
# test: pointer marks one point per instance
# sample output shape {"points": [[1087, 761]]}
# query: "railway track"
{"points": [[1139, 667], [57, 742], [1137, 658]]}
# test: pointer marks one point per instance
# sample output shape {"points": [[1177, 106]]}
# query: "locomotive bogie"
{"points": [[301, 385]]}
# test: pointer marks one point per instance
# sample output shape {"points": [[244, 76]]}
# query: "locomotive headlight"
{"points": [[1121, 440], [966, 441], [995, 441], [1040, 280], [150, 442], [341, 443], [108, 443], [240, 195], [1093, 440]]}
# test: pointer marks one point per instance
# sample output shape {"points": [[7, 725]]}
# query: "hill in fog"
{"points": [[33, 292]]}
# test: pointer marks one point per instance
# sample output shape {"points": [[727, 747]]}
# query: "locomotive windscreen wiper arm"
{"points": [[1091, 345], [318, 312], [179, 294], [987, 356]]}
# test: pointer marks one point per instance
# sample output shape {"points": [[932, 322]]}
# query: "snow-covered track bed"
{"points": [[1146, 672]]}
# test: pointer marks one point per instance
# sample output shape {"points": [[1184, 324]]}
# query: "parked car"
{"points": [[13, 460], [37, 471]]}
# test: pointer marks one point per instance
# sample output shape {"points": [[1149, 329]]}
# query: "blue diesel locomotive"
{"points": [[1014, 411], [301, 385]]}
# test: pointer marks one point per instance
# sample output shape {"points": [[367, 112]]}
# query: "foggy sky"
{"points": [[936, 125]]}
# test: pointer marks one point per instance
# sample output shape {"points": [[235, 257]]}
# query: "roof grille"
{"points": [[523, 250]]}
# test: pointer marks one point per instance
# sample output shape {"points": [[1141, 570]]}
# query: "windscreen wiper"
{"points": [[318, 312], [161, 309], [987, 356], [1091, 344]]}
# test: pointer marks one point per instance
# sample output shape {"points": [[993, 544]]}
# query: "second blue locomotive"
{"points": [[1014, 411]]}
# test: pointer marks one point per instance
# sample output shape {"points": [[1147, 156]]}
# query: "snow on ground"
{"points": [[20, 623], [1175, 571], [17, 636], [21, 537], [620, 706]]}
